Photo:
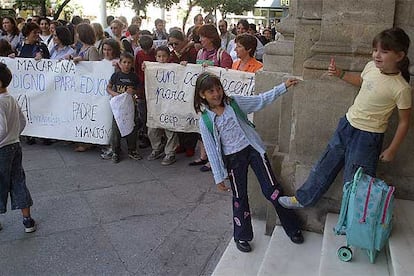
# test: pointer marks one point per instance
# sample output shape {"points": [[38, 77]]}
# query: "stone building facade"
{"points": [[304, 119]]}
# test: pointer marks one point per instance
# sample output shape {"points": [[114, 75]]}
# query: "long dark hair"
{"points": [[210, 31], [206, 81], [15, 30], [395, 39], [114, 44], [64, 35]]}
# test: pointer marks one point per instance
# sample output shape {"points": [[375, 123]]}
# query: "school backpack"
{"points": [[366, 215], [237, 110]]}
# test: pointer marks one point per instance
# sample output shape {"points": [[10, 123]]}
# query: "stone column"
{"points": [[307, 32], [273, 120], [347, 30], [278, 55], [102, 13]]}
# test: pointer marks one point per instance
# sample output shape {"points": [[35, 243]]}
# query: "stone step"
{"points": [[401, 242], [359, 265], [235, 262], [286, 258]]}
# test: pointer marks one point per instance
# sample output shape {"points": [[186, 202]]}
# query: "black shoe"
{"points": [[115, 158], [30, 140], [297, 237], [243, 246], [198, 162], [47, 142], [29, 225]]}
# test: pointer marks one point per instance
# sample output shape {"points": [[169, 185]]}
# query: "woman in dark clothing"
{"points": [[31, 47]]}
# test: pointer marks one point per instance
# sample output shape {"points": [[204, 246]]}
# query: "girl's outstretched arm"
{"points": [[352, 78], [403, 122]]}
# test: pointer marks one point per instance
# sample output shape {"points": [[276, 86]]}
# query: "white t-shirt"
{"points": [[12, 120]]}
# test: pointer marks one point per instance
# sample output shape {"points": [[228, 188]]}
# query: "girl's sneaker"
{"points": [[168, 160], [29, 225], [289, 202], [133, 154], [106, 155], [155, 155], [115, 158]]}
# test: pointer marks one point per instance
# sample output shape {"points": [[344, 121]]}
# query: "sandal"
{"points": [[83, 147], [198, 162], [205, 168]]}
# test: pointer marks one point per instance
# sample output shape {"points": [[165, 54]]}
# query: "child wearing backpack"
{"points": [[357, 142], [12, 177], [232, 145]]}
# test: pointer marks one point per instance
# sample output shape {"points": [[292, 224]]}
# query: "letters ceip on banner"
{"points": [[62, 100], [169, 90]]}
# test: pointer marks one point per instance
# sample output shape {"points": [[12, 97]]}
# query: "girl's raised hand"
{"points": [[290, 82], [332, 70]]}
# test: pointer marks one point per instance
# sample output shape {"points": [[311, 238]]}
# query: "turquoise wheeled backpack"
{"points": [[366, 215]]}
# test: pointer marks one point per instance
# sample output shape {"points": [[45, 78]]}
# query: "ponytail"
{"points": [[403, 66], [397, 40]]}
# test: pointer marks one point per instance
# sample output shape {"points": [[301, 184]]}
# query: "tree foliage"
{"points": [[224, 6], [43, 6], [235, 6], [141, 5]]}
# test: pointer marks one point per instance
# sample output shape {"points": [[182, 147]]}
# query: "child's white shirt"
{"points": [[12, 120]]}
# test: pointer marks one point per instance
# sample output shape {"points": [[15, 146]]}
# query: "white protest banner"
{"points": [[159, 42], [169, 90], [62, 100], [123, 109], [234, 82]]}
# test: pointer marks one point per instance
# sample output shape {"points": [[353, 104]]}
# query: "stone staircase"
{"points": [[277, 255]]}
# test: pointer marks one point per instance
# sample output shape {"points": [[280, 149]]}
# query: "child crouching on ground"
{"points": [[121, 82], [12, 177]]}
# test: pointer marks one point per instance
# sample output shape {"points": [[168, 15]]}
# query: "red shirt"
{"points": [[140, 57], [190, 55]]}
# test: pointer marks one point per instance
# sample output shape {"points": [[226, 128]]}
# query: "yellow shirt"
{"points": [[377, 98]]}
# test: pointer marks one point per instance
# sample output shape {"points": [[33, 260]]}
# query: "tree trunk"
{"points": [[191, 5], [43, 8], [60, 9]]}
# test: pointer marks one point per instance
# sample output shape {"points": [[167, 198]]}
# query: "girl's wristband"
{"points": [[341, 76]]}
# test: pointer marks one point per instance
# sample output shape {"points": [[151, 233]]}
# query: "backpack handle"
{"points": [[357, 177]]}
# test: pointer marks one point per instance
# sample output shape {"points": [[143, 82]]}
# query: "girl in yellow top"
{"points": [[357, 142]]}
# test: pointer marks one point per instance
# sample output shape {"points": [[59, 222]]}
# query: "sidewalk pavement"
{"points": [[99, 218]]}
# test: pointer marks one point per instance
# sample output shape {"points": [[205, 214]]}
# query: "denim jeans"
{"points": [[13, 179], [349, 148], [237, 165]]}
